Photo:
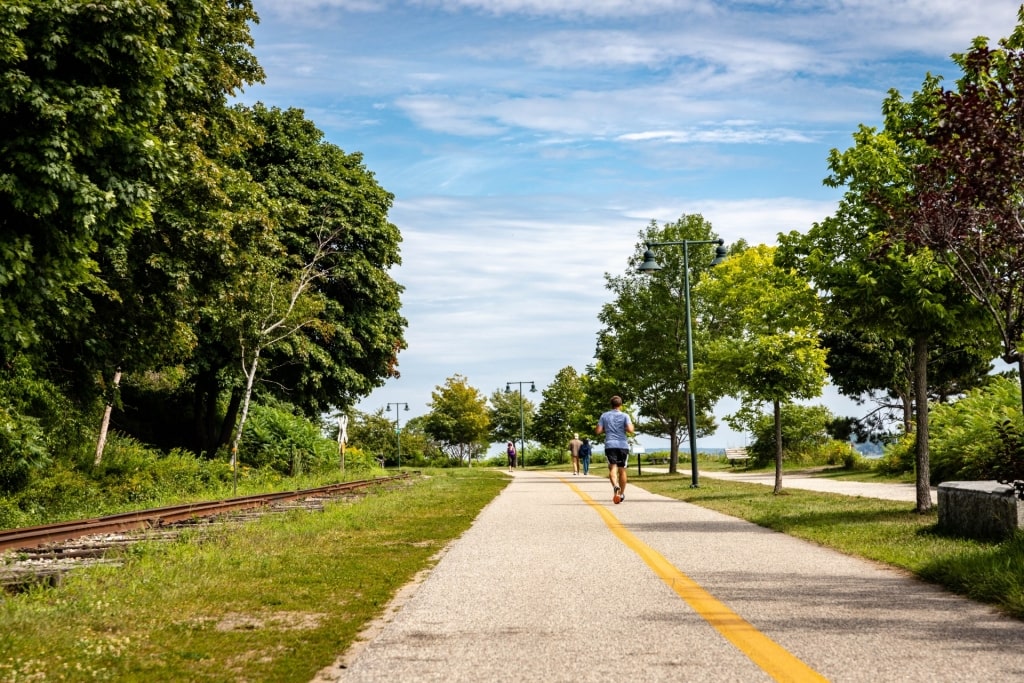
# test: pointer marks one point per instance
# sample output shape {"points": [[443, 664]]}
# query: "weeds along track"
{"points": [[42, 554]]}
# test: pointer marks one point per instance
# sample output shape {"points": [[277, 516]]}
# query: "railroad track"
{"points": [[31, 537], [42, 555]]}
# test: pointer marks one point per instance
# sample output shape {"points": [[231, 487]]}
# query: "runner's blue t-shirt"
{"points": [[614, 423]]}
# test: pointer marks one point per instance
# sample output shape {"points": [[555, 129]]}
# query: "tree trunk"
{"points": [[250, 379], [1020, 372], [777, 404], [204, 413], [342, 439], [227, 425], [101, 443], [908, 413], [924, 492], [673, 451]]}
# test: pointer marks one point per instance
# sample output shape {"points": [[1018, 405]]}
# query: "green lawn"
{"points": [[279, 598], [886, 531], [272, 600]]}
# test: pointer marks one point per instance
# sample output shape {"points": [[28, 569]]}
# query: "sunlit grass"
{"points": [[886, 531]]}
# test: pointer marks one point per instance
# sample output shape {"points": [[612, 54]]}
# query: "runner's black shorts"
{"points": [[616, 456]]}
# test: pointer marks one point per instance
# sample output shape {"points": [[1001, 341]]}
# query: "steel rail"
{"points": [[31, 537]]}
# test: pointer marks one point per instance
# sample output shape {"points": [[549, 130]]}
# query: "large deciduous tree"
{"points": [[458, 419], [968, 199], [881, 292], [511, 415], [765, 346], [80, 152], [642, 346], [320, 188], [562, 410], [312, 188]]}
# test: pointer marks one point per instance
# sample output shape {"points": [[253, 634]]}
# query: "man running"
{"points": [[615, 425]]}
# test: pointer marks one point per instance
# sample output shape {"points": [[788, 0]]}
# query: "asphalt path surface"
{"points": [[906, 492], [555, 583]]}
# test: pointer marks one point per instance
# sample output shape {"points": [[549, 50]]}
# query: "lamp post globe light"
{"points": [[398, 430], [522, 419], [651, 265]]}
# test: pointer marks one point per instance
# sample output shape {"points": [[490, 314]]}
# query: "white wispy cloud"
{"points": [[529, 141]]}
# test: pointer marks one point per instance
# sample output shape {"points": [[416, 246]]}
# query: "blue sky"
{"points": [[527, 143]]}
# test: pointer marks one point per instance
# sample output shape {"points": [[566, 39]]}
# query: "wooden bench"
{"points": [[735, 455], [659, 461]]}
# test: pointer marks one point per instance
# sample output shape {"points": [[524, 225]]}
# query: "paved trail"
{"points": [[907, 492], [554, 583]]}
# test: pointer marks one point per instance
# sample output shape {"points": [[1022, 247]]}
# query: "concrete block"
{"points": [[979, 509]]}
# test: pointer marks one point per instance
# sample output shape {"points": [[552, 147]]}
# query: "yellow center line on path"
{"points": [[775, 660]]}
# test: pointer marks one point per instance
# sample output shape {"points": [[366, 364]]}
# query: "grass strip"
{"points": [[885, 531], [276, 599]]}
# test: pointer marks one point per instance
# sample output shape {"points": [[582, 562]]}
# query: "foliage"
{"points": [[279, 438], [804, 432], [642, 345], [374, 433], [79, 152], [899, 296], [142, 215], [318, 189], [510, 414], [458, 419], [973, 438], [966, 205], [562, 411], [37, 425], [766, 346]]}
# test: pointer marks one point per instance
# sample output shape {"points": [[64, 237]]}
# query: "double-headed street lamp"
{"points": [[522, 420], [651, 265], [398, 430]]}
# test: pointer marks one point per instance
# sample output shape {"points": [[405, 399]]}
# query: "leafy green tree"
{"points": [[320, 189], [966, 201], [881, 292], [111, 115], [765, 347], [510, 415], [458, 419], [642, 346], [80, 153], [562, 411], [374, 433], [313, 189], [277, 306], [804, 430]]}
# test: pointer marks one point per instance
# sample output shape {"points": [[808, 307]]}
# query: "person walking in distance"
{"points": [[574, 452], [615, 425], [585, 456], [511, 451]]}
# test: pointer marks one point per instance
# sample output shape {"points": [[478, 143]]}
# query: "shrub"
{"points": [[276, 437], [804, 431], [64, 493], [898, 457], [965, 436], [970, 439]]}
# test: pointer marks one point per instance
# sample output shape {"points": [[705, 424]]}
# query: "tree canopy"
{"points": [[642, 346], [562, 410], [458, 419], [765, 345], [148, 225]]}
